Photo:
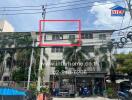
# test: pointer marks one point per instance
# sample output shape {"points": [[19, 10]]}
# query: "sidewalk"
{"points": [[87, 98]]}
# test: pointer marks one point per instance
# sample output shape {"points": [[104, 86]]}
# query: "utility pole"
{"points": [[29, 71], [129, 7], [33, 34], [42, 51]]}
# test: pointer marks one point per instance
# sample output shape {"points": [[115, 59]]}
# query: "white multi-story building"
{"points": [[5, 26], [72, 79], [90, 40]]}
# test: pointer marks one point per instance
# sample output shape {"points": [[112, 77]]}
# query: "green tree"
{"points": [[23, 61], [124, 62], [23, 58]]}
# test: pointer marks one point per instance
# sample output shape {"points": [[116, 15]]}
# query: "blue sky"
{"points": [[92, 17]]}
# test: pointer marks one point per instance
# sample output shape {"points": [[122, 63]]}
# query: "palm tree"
{"points": [[11, 59], [111, 57], [104, 63], [97, 58], [1, 63], [100, 58], [104, 57], [112, 61], [75, 54]]}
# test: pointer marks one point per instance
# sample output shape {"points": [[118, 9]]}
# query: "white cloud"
{"points": [[104, 18], [64, 1]]}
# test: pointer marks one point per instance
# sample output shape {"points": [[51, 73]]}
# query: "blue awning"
{"points": [[11, 91]]}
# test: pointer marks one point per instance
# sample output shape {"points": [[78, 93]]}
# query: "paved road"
{"points": [[88, 98]]}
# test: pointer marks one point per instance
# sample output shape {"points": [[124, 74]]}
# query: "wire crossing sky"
{"points": [[91, 13]]}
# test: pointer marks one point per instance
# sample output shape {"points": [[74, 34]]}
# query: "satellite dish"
{"points": [[123, 40], [129, 35], [120, 45]]}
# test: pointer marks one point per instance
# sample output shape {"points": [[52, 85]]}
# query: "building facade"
{"points": [[75, 78], [90, 40]]}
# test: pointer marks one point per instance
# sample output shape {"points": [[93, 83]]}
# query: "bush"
{"points": [[110, 92], [44, 90], [33, 87]]}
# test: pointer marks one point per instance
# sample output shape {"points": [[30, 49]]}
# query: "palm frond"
{"points": [[45, 55]]}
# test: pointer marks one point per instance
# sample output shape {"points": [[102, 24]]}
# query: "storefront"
{"points": [[90, 83]]}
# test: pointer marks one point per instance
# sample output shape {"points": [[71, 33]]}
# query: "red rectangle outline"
{"points": [[79, 33]]}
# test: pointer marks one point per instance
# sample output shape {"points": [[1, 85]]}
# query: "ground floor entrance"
{"points": [[78, 85]]}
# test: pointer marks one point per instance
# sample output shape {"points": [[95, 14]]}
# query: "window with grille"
{"points": [[56, 49], [102, 36], [57, 37], [71, 37], [87, 36]]}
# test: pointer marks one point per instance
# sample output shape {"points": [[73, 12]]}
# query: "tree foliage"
{"points": [[124, 62], [75, 54], [23, 62]]}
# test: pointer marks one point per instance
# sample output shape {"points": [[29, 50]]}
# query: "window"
{"points": [[45, 37], [102, 36], [71, 37], [57, 37], [56, 49], [6, 78], [1, 30], [56, 63], [87, 35], [82, 35]]}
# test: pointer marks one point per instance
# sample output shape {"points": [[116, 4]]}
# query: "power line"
{"points": [[78, 3], [51, 4], [19, 7], [20, 10], [122, 20], [47, 7], [57, 10], [124, 28]]}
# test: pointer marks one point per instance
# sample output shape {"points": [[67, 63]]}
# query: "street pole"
{"points": [[129, 7], [31, 62], [41, 52]]}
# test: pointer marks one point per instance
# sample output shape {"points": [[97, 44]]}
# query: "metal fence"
{"points": [[20, 84]]}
